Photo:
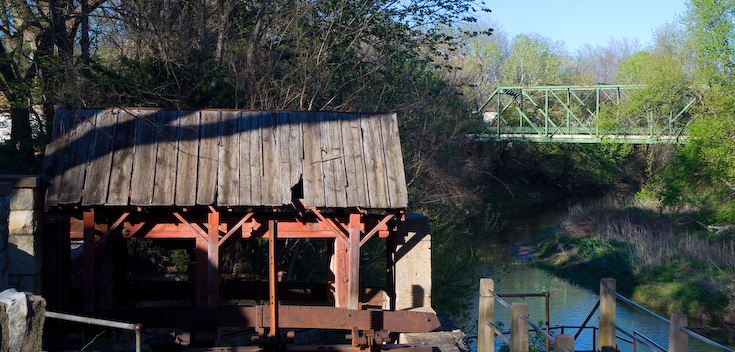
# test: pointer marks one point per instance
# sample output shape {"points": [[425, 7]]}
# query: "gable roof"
{"points": [[150, 157]]}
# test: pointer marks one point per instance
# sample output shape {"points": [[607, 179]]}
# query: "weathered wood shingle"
{"points": [[148, 157]]}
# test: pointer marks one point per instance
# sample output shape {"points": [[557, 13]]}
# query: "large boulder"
{"points": [[21, 320]]}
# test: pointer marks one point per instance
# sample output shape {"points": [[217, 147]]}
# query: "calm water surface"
{"points": [[569, 304]]}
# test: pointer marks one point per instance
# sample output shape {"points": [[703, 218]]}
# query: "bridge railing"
{"points": [[607, 331], [581, 114]]}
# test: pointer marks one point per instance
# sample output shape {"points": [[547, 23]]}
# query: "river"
{"points": [[569, 303]]}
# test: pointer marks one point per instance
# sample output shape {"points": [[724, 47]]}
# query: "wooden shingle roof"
{"points": [[148, 157]]}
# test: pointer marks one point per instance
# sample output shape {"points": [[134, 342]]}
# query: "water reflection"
{"points": [[569, 306], [569, 303]]}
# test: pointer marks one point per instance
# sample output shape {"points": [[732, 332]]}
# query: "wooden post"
{"points": [[678, 340], [485, 332], [390, 272], [563, 343], [353, 281], [213, 273], [202, 266], [518, 327], [606, 341], [272, 279], [340, 265], [88, 253]]}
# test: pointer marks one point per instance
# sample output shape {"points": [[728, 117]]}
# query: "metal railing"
{"points": [[137, 328], [606, 332]]}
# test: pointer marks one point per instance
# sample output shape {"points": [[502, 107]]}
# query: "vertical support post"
{"points": [[678, 340], [213, 274], [353, 281], [486, 318], [607, 315], [340, 265], [103, 280], [563, 343], [518, 327], [390, 271], [88, 250], [272, 279], [202, 266]]}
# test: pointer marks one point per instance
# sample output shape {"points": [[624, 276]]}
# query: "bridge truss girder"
{"points": [[579, 114]]}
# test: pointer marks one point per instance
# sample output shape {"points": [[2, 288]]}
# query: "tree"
{"points": [[534, 60], [599, 64]]}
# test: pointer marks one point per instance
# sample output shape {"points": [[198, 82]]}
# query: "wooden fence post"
{"points": [[563, 343], [678, 340], [518, 327], [606, 340], [485, 332]]}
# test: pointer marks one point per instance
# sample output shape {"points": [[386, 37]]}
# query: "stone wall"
{"points": [[5, 191], [413, 264], [25, 230]]}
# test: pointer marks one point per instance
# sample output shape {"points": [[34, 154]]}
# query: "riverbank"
{"points": [[663, 261]]}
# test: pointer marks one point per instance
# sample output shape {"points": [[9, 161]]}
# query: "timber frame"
{"points": [[217, 176]]}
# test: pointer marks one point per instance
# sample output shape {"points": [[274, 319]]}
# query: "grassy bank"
{"points": [[664, 261]]}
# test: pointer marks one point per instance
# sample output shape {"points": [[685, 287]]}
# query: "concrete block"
{"points": [[25, 222], [413, 264], [21, 181], [26, 199], [24, 253]]}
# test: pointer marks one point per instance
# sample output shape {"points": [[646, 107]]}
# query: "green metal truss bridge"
{"points": [[580, 114]]}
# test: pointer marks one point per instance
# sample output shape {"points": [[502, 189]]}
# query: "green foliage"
{"points": [[533, 60]]}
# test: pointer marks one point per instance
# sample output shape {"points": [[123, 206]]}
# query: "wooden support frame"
{"points": [[88, 261]]}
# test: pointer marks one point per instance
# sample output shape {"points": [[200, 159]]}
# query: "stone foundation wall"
{"points": [[5, 190], [413, 264], [25, 230]]}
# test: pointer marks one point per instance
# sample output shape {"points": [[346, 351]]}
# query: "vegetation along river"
{"points": [[569, 303]]}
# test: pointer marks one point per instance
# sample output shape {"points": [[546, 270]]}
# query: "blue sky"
{"points": [[577, 22]]}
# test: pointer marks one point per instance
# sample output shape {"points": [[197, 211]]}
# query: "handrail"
{"points": [[654, 346], [502, 301], [636, 333], [666, 321], [100, 322], [537, 328], [592, 312], [705, 340]]}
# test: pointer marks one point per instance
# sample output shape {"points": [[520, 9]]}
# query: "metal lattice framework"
{"points": [[580, 114]]}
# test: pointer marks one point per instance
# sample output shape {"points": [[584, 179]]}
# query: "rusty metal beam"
{"points": [[289, 317]]}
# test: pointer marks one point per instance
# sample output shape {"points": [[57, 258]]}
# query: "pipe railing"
{"points": [[137, 328], [607, 329]]}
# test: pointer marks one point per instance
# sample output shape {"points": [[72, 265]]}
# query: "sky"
{"points": [[577, 22]]}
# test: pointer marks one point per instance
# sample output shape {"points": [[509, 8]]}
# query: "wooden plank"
{"points": [[256, 159], [296, 149], [313, 174], [56, 155], [284, 142], [357, 192], [122, 158], [328, 154], [208, 157], [372, 149], [245, 178], [335, 159], [164, 181], [100, 163], [395, 174], [144, 157], [228, 176], [270, 182], [73, 178], [188, 154]]}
